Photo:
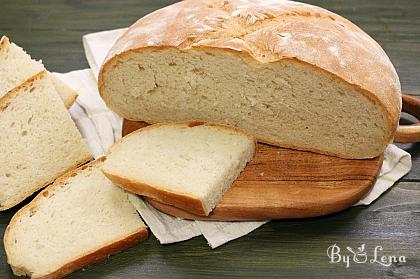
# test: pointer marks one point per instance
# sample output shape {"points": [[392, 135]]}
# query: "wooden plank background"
{"points": [[52, 30]]}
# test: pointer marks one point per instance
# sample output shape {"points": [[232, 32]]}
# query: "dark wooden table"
{"points": [[52, 30]]}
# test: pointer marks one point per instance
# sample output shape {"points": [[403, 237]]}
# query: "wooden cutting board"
{"points": [[283, 183]]}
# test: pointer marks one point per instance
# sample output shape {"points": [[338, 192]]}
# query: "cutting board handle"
{"points": [[409, 133]]}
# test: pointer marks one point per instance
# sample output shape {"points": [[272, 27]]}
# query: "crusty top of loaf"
{"points": [[269, 31]]}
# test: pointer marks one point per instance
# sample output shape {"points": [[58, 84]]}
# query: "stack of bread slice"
{"points": [[82, 217], [39, 140]]}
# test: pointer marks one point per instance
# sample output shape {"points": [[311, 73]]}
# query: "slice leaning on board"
{"points": [[189, 165]]}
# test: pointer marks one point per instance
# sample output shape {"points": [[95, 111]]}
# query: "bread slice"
{"points": [[38, 142], [67, 94], [16, 66], [291, 74], [80, 219], [189, 165]]}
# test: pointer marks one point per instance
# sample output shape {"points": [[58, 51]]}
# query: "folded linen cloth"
{"points": [[97, 45], [168, 229], [100, 126], [396, 164]]}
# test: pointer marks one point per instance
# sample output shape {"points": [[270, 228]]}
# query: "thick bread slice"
{"points": [[80, 219], [189, 165], [292, 74], [38, 142], [16, 66]]}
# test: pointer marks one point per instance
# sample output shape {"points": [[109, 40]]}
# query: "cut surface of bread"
{"points": [[291, 74], [79, 219], [273, 102], [189, 165], [38, 142], [16, 66]]}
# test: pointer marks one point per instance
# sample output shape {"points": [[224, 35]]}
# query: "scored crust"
{"points": [[4, 102], [184, 201], [89, 257], [268, 32]]}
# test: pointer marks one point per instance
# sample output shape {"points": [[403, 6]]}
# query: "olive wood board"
{"points": [[283, 183]]}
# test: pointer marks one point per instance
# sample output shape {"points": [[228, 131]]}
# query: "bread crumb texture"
{"points": [[38, 142], [70, 219], [196, 160]]}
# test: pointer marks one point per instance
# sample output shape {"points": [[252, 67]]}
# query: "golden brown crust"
{"points": [[73, 99], [99, 254], [184, 201], [44, 194], [262, 210], [3, 41], [270, 31], [188, 203], [91, 256]]}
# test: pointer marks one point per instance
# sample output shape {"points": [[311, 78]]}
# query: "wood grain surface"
{"points": [[281, 183], [52, 30]]}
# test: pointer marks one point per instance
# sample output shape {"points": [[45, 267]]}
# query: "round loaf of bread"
{"points": [[292, 74]]}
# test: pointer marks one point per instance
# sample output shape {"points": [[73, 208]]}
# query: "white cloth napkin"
{"points": [[98, 125], [101, 127], [397, 163], [97, 45]]}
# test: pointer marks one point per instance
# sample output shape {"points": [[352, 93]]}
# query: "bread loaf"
{"points": [[187, 165], [292, 74], [38, 140], [78, 220], [16, 66]]}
